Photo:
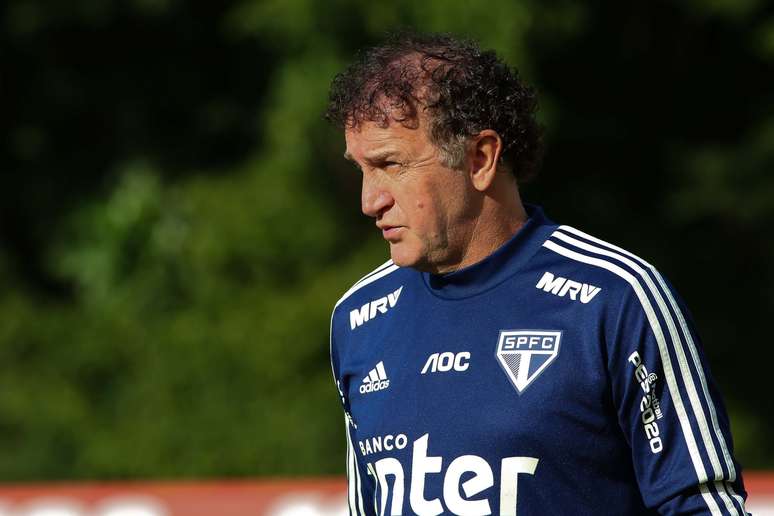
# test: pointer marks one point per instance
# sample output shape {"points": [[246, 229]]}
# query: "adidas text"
{"points": [[376, 380]]}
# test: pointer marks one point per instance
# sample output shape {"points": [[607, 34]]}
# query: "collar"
{"points": [[506, 261]]}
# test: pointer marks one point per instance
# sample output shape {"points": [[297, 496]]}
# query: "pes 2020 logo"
{"points": [[525, 354]]}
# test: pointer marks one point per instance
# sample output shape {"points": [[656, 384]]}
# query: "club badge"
{"points": [[525, 354]]}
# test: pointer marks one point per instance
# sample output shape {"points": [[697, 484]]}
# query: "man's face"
{"points": [[424, 209]]}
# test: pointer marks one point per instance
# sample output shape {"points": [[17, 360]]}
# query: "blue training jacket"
{"points": [[560, 375]]}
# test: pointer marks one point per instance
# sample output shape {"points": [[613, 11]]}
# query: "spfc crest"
{"points": [[524, 354]]}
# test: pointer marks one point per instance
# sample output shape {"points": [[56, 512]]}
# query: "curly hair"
{"points": [[463, 89]]}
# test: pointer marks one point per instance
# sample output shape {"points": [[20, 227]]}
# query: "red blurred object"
{"points": [[318, 496], [212, 498]]}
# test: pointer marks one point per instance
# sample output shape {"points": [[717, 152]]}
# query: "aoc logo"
{"points": [[524, 354], [370, 310]]}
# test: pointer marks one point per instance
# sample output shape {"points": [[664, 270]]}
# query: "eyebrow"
{"points": [[377, 157]]}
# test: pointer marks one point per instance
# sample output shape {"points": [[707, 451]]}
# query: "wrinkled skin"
{"points": [[435, 218]]}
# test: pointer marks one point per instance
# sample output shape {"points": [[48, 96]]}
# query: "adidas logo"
{"points": [[376, 380]]}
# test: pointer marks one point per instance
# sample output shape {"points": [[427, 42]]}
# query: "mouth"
{"points": [[391, 233]]}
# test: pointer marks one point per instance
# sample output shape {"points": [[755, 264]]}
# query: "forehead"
{"points": [[369, 138]]}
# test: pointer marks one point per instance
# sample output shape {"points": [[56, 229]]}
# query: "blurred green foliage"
{"points": [[177, 220]]}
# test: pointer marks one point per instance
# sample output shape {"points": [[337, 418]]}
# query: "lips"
{"points": [[391, 232]]}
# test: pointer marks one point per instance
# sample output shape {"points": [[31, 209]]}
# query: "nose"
{"points": [[375, 198]]}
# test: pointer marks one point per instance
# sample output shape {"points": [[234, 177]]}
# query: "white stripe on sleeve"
{"points": [[665, 359], [689, 340], [685, 372], [351, 468]]}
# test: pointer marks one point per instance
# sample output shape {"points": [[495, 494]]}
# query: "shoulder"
{"points": [[374, 279], [382, 282], [629, 293], [619, 271]]}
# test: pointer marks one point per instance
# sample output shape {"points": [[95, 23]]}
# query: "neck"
{"points": [[501, 215]]}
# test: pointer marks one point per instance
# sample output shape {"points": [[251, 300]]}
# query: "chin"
{"points": [[403, 257]]}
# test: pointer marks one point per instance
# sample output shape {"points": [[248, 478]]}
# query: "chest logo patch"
{"points": [[561, 287], [376, 380], [525, 354], [370, 310]]}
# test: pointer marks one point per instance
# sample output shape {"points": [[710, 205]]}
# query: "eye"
{"points": [[390, 165]]}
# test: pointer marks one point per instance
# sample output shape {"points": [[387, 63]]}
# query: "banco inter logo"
{"points": [[370, 310], [561, 287], [469, 474], [376, 380], [524, 354]]}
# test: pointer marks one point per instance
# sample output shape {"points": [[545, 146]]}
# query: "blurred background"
{"points": [[176, 219]]}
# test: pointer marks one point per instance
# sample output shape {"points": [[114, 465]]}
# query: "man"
{"points": [[500, 362]]}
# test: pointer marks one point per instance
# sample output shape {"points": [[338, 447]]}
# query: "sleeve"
{"points": [[360, 484], [668, 406]]}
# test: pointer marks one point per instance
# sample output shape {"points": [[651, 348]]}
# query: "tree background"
{"points": [[176, 220]]}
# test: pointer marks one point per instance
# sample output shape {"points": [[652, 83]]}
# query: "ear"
{"points": [[484, 154]]}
